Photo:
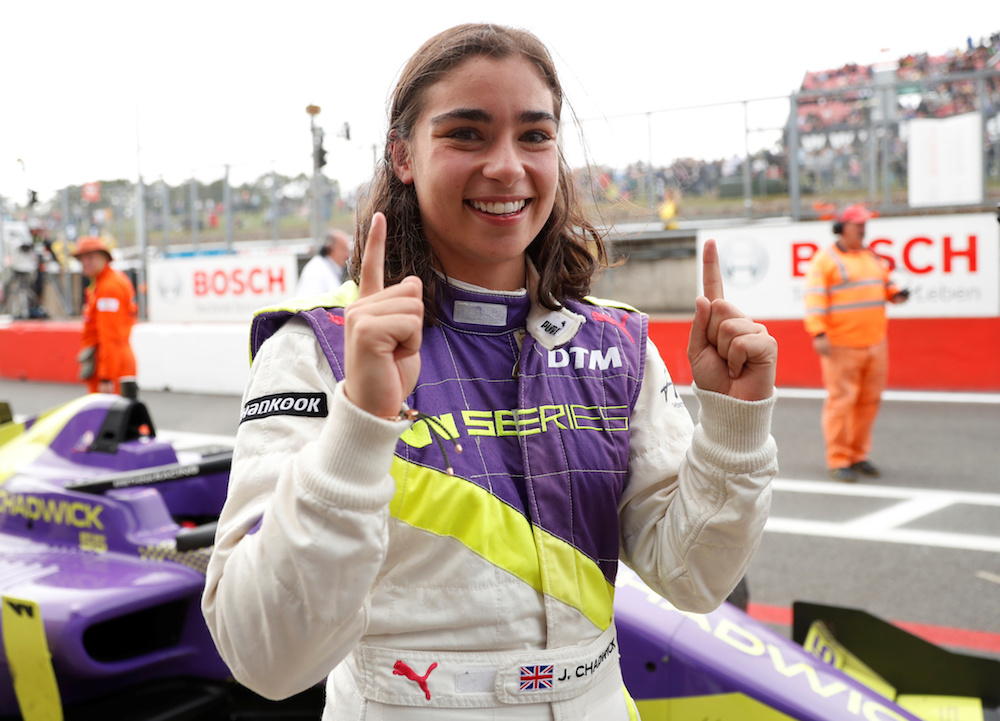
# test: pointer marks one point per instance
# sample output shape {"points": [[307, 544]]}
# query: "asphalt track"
{"points": [[919, 546]]}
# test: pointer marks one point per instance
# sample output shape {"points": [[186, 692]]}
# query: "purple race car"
{"points": [[105, 532]]}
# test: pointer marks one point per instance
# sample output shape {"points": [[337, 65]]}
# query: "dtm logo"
{"points": [[584, 358]]}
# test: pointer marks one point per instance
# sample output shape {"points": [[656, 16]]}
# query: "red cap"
{"points": [[855, 214], [90, 244]]}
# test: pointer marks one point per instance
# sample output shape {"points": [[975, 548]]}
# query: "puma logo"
{"points": [[402, 669], [597, 315]]}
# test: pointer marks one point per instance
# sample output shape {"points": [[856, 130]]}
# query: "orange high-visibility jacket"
{"points": [[846, 293], [107, 323]]}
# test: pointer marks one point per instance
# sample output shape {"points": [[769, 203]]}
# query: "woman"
{"points": [[436, 472]]}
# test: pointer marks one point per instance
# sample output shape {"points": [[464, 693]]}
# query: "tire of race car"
{"points": [[740, 597]]}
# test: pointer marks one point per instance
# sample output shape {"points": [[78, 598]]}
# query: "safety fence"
{"points": [[906, 136], [921, 135], [898, 138]]}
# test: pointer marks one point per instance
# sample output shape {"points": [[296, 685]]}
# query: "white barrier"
{"points": [[212, 358]]}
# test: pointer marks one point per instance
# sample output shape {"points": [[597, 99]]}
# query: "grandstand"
{"points": [[927, 86], [847, 126]]}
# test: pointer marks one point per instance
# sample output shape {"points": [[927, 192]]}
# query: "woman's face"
{"points": [[484, 161]]}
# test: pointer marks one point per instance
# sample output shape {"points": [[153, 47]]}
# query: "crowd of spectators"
{"points": [[834, 126], [823, 112], [641, 183], [833, 123]]}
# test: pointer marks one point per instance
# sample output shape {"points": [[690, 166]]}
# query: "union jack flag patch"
{"points": [[536, 678]]}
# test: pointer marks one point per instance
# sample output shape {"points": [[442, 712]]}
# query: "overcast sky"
{"points": [[104, 89]]}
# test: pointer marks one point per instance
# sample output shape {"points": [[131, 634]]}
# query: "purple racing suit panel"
{"points": [[546, 431]]}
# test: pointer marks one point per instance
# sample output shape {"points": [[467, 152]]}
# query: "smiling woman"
{"points": [[439, 537], [484, 162], [488, 102]]}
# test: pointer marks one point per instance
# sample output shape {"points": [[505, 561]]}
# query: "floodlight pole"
{"points": [[317, 141]]}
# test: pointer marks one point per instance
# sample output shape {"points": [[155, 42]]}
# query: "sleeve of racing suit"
{"points": [[696, 500], [303, 532]]}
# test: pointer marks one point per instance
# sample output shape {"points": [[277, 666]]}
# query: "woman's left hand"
{"points": [[729, 353]]}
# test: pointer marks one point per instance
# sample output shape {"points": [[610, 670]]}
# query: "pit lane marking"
{"points": [[884, 525], [880, 526]]}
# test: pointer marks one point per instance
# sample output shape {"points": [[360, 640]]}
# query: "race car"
{"points": [[106, 530]]}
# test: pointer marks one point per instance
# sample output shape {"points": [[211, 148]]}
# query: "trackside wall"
{"points": [[930, 354]]}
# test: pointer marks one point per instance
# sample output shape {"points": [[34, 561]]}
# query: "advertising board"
{"points": [[950, 264], [218, 287]]}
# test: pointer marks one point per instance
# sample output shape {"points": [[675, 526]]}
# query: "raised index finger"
{"points": [[711, 273], [373, 261]]}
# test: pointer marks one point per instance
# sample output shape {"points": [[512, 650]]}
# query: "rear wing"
{"points": [[911, 665]]}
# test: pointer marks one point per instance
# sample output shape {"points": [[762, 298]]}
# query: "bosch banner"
{"points": [[949, 263], [218, 288]]}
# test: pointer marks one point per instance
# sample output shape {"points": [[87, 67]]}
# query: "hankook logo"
{"points": [[743, 262], [286, 404]]}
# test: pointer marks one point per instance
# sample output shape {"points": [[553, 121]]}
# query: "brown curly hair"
{"points": [[568, 250]]}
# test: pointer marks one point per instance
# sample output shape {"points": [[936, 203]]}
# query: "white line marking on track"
{"points": [[987, 576], [912, 537], [883, 525], [869, 491], [879, 526], [914, 396], [901, 513], [183, 440]]}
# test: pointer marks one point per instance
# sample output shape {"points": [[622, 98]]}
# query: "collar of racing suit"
{"points": [[464, 304]]}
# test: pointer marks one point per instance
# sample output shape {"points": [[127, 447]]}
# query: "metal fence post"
{"points": [[165, 215], [195, 215], [227, 199], [747, 188], [872, 150], [794, 190], [275, 211], [65, 218], [140, 237], [984, 133]]}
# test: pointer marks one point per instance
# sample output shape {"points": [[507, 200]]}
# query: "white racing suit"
{"points": [[346, 552]]}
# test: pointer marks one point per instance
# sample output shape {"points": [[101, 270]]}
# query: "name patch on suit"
{"points": [[286, 404]]}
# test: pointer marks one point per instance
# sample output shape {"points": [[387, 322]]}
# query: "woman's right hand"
{"points": [[383, 332]]}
